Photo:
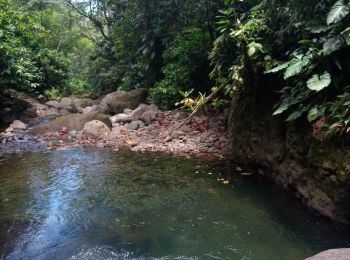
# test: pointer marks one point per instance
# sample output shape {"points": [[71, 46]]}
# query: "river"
{"points": [[83, 203]]}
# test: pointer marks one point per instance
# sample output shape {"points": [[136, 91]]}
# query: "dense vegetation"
{"points": [[207, 49]]}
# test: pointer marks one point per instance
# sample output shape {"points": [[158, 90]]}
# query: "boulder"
{"points": [[137, 113], [120, 118], [116, 102], [64, 112], [134, 125], [67, 103], [332, 254], [150, 114], [18, 125], [96, 129], [71, 121], [88, 109], [53, 104]]}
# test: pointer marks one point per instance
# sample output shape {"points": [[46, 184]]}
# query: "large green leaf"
{"points": [[333, 44], [278, 68], [319, 82], [297, 65], [338, 12]]}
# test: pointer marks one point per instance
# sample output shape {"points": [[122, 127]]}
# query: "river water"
{"points": [[99, 204]]}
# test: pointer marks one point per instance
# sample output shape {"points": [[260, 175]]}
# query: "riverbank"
{"points": [[203, 136]]}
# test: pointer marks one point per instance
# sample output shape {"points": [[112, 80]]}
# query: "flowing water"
{"points": [[99, 204]]}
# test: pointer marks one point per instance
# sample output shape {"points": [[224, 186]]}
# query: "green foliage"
{"points": [[186, 67], [305, 43], [25, 62]]}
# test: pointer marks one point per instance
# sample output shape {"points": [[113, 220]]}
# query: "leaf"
{"points": [[296, 114], [346, 35], [338, 12], [278, 68], [253, 48], [315, 113], [317, 82], [281, 108], [297, 65], [333, 44]]}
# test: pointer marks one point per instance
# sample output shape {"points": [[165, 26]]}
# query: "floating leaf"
{"points": [[317, 82]]}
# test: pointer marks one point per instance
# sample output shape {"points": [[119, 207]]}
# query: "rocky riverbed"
{"points": [[74, 122]]}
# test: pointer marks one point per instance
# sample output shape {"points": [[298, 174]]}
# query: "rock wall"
{"points": [[317, 172]]}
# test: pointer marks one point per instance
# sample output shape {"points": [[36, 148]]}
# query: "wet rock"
{"points": [[18, 125], [134, 125], [120, 118], [332, 254], [96, 129], [116, 102]]}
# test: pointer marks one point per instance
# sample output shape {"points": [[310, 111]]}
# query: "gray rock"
{"points": [[64, 112], [9, 130], [177, 134], [127, 111], [137, 113], [181, 115], [120, 118], [67, 103], [134, 125], [116, 102], [88, 109], [71, 121], [96, 129], [54, 104], [150, 114], [18, 125], [332, 254], [52, 111], [73, 133]]}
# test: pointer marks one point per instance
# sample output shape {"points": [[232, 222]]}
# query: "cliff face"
{"points": [[317, 172]]}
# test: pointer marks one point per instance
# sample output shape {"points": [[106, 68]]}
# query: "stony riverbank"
{"points": [[145, 128]]}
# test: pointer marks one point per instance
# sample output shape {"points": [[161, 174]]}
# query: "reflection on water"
{"points": [[97, 204]]}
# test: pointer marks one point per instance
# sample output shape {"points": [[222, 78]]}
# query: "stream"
{"points": [[82, 203]]}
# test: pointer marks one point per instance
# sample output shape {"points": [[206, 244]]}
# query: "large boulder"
{"points": [[71, 121], [116, 102], [96, 129]]}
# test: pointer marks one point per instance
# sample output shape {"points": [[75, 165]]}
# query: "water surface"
{"points": [[99, 204]]}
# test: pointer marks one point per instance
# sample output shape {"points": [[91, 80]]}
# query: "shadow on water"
{"points": [[98, 204]]}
